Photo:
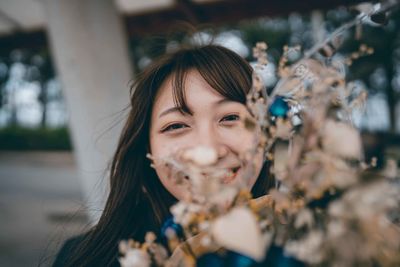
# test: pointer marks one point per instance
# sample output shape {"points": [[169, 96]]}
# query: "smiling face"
{"points": [[213, 121]]}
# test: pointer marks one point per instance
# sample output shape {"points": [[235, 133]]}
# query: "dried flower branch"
{"points": [[330, 209]]}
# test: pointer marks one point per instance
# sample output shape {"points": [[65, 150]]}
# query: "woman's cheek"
{"points": [[239, 138], [173, 144]]}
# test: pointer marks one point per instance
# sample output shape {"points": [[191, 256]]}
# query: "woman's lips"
{"points": [[229, 176]]}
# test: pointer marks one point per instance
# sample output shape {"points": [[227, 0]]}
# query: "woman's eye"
{"points": [[231, 117], [174, 126]]}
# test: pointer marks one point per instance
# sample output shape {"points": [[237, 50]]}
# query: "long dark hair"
{"points": [[137, 201]]}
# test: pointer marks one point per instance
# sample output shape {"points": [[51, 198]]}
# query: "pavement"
{"points": [[41, 205]]}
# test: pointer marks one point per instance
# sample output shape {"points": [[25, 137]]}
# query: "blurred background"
{"points": [[65, 70]]}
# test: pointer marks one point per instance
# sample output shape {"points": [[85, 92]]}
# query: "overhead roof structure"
{"points": [[28, 15], [23, 22]]}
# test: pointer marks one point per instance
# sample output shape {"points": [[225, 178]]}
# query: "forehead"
{"points": [[196, 92]]}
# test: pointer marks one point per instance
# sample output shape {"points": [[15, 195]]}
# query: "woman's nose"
{"points": [[208, 137]]}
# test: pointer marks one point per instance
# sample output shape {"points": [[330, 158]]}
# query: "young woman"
{"points": [[195, 96]]}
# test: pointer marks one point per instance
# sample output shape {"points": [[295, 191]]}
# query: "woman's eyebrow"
{"points": [[179, 109], [167, 111], [173, 109], [222, 101]]}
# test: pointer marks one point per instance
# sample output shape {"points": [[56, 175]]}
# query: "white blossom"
{"points": [[201, 155], [135, 258]]}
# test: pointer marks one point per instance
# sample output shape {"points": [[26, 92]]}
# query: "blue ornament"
{"points": [[276, 257], [279, 107], [171, 224], [210, 260], [234, 259]]}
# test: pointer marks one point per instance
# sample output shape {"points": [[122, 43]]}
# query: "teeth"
{"points": [[231, 174], [224, 174]]}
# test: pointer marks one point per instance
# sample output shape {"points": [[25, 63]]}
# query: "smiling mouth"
{"points": [[229, 176]]}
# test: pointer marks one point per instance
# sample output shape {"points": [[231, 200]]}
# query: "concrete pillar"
{"points": [[90, 50]]}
